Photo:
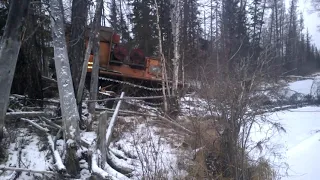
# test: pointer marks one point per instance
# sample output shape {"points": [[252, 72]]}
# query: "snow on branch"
{"points": [[96, 169], [118, 153], [115, 174], [59, 165], [120, 164]]}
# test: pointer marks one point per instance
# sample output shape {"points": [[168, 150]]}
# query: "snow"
{"points": [[88, 137], [193, 105], [121, 163], [97, 169], [25, 153], [303, 86], [297, 147], [59, 164], [293, 150], [154, 153]]}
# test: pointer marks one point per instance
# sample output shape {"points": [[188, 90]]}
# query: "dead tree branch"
{"points": [[17, 115], [36, 125]]}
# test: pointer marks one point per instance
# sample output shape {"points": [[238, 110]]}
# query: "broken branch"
{"points": [[50, 122], [36, 125], [112, 121]]}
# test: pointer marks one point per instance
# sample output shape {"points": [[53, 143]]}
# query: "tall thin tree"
{"points": [[10, 45], [69, 111]]}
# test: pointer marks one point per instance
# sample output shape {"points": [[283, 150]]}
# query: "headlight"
{"points": [[90, 65], [155, 70]]}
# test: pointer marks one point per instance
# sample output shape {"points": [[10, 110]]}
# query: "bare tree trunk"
{"points": [[163, 64], [68, 103], [84, 68], [95, 67], [77, 39], [217, 42], [175, 23], [10, 46], [77, 46]]}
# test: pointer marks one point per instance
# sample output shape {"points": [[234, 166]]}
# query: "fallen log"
{"points": [[97, 170], [31, 114], [120, 165], [27, 170]]}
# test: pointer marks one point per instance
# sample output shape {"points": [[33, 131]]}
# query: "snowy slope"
{"points": [[293, 150], [298, 146], [302, 86]]}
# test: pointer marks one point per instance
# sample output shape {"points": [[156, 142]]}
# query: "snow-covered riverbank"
{"points": [[292, 141]]}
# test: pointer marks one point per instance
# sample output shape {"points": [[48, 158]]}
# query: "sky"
{"points": [[311, 19]]}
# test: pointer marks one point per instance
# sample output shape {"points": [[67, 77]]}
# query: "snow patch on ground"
{"points": [[27, 152]]}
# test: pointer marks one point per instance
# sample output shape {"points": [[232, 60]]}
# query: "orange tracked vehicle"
{"points": [[121, 70]]}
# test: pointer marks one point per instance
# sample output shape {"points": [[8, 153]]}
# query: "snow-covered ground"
{"points": [[297, 145], [302, 86], [155, 152], [293, 147], [27, 151]]}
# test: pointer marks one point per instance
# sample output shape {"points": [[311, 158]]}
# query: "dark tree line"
{"points": [[232, 27]]}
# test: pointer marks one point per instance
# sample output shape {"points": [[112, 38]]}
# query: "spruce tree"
{"points": [[144, 29]]}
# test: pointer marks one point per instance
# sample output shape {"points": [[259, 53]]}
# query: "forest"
{"points": [[234, 57]]}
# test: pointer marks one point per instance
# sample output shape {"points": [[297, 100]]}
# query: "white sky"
{"points": [[311, 19]]}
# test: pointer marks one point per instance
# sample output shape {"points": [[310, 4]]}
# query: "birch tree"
{"points": [[10, 46], [163, 64], [175, 23], [69, 111]]}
